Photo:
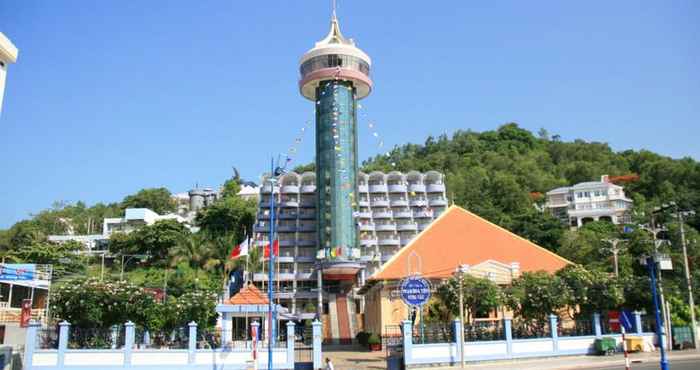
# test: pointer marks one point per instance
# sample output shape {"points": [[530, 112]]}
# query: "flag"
{"points": [[275, 249], [240, 250]]}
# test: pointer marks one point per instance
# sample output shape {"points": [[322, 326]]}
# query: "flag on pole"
{"points": [[240, 250], [275, 249]]}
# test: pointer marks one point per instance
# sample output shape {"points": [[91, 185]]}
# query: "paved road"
{"points": [[677, 364]]}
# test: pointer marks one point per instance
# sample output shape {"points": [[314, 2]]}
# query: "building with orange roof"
{"points": [[457, 237]]}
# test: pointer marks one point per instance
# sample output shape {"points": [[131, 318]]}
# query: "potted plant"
{"points": [[362, 338], [374, 342]]}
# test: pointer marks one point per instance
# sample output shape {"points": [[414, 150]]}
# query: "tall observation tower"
{"points": [[335, 75]]}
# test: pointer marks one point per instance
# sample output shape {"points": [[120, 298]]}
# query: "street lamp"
{"points": [[615, 251], [142, 257]]}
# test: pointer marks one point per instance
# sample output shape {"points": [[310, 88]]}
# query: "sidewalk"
{"points": [[573, 362]]}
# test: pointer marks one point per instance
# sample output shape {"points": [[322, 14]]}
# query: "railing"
{"points": [[433, 333], [176, 339], [526, 329], [484, 331], [96, 338], [576, 328], [47, 338]]}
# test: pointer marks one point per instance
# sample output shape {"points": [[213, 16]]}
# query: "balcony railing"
{"points": [[362, 188], [380, 202], [397, 188], [308, 189], [287, 228], [307, 215], [382, 214], [290, 189], [407, 227], [417, 188], [306, 228], [378, 188], [438, 202], [435, 188], [366, 227], [403, 214], [422, 214], [289, 203], [368, 242], [385, 227], [306, 242], [389, 241], [418, 202]]}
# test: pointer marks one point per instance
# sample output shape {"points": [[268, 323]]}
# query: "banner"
{"points": [[17, 271]]}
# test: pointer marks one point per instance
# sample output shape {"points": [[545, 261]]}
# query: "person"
{"points": [[329, 364]]}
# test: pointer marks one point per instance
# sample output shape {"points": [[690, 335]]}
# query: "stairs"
{"points": [[345, 334]]}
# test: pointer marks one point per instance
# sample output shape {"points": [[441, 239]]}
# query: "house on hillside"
{"points": [[590, 201], [458, 237]]}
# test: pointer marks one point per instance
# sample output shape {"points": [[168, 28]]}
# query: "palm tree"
{"points": [[194, 250]]}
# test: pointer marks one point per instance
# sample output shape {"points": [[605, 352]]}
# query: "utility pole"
{"points": [[651, 265], [666, 326], [688, 280], [460, 271], [615, 251]]}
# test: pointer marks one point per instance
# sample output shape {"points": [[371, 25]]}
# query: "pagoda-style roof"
{"points": [[249, 295]]}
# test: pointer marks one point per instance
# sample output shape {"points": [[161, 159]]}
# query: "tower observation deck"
{"points": [[335, 74]]}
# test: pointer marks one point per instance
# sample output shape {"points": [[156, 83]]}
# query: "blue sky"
{"points": [[110, 97]]}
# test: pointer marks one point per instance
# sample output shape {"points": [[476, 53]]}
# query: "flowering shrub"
{"points": [[94, 304]]}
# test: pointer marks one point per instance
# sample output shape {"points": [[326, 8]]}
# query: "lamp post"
{"points": [[688, 280], [615, 251], [651, 265]]}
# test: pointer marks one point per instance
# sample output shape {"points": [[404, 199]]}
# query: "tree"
{"points": [[62, 257], [158, 200], [230, 215], [590, 291], [155, 240], [480, 296], [535, 295]]}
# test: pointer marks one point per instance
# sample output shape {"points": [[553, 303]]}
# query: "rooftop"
{"points": [[462, 237]]}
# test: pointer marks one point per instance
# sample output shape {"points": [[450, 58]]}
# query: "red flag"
{"points": [[240, 250], [276, 249]]}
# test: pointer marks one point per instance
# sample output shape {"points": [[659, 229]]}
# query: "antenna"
{"points": [[334, 5]]}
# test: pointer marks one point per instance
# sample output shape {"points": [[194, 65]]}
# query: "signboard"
{"points": [[17, 271], [627, 320], [26, 315], [614, 320], [415, 291]]}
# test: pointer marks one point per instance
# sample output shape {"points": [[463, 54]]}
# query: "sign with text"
{"points": [[415, 291], [17, 271]]}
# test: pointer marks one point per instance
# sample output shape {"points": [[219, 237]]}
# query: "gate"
{"points": [[392, 342], [303, 349]]}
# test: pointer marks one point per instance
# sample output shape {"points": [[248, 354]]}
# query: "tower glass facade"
{"points": [[336, 164]]}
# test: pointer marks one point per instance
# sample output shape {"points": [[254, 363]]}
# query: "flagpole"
{"points": [[271, 265]]}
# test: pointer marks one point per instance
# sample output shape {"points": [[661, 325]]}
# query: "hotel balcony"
{"points": [[418, 202], [438, 202], [305, 276], [287, 216], [423, 226], [436, 188], [408, 227], [306, 259], [307, 203], [368, 242], [422, 214], [287, 242], [286, 259], [285, 276], [286, 228], [290, 188], [367, 227], [405, 241], [403, 214], [289, 203], [369, 258], [386, 257], [261, 228], [362, 188], [264, 203], [389, 241], [363, 203], [307, 215], [382, 214], [308, 189], [364, 215], [416, 188], [380, 202], [265, 189], [385, 227], [307, 228], [306, 242], [306, 294], [284, 295], [378, 188], [399, 202], [397, 188]]}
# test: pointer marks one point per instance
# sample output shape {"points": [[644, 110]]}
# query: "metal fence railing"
{"points": [[484, 331], [96, 338], [47, 338], [526, 329], [575, 328], [175, 339], [433, 333]]}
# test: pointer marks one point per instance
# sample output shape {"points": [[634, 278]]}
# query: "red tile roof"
{"points": [[461, 237], [249, 294]]}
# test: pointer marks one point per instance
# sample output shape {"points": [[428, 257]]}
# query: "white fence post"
{"points": [[128, 342], [508, 331], [554, 331], [192, 343], [30, 344], [317, 344], [63, 332], [290, 343]]}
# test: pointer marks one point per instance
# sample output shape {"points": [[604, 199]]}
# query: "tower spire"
{"points": [[334, 5]]}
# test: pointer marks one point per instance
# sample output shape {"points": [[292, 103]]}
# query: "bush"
{"points": [[362, 337], [374, 339]]}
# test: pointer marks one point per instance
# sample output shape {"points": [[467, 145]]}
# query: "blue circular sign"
{"points": [[415, 291]]}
